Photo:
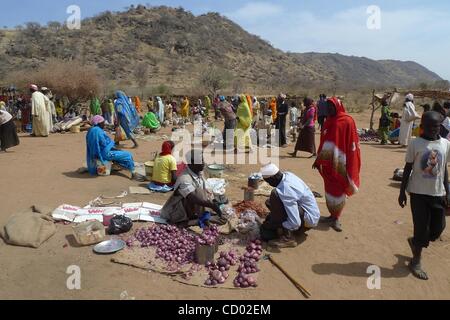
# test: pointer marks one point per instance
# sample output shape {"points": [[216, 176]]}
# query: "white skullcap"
{"points": [[44, 89], [269, 170], [34, 87], [410, 97]]}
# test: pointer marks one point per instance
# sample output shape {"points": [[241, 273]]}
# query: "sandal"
{"points": [[416, 270]]}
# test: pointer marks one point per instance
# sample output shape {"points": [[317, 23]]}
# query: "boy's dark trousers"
{"points": [[428, 217]]}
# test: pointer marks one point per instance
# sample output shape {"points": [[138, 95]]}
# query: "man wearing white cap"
{"points": [[41, 121], [292, 207], [408, 118]]}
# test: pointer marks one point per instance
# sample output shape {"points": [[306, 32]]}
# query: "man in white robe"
{"points": [[408, 118], [48, 106], [39, 111]]}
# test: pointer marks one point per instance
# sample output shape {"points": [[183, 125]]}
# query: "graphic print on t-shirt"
{"points": [[430, 164]]}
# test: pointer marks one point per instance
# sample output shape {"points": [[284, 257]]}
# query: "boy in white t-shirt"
{"points": [[425, 178]]}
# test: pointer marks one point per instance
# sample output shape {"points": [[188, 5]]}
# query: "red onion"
{"points": [[172, 244], [248, 264]]}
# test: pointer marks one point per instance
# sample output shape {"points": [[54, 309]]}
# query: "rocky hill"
{"points": [[177, 47]]}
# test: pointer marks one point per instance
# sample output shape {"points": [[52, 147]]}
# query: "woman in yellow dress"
{"points": [[185, 108], [244, 122]]}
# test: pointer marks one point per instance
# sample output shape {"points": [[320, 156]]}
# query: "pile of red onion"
{"points": [[218, 272], [209, 236], [248, 265], [172, 244]]}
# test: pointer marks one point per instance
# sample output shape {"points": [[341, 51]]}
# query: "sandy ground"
{"points": [[331, 265]]}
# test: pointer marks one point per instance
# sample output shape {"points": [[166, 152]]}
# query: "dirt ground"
{"points": [[331, 265]]}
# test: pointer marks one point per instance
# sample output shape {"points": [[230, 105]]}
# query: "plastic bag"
{"points": [[229, 213], [216, 186], [248, 222], [120, 224], [120, 134]]}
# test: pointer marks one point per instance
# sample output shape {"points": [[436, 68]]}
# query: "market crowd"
{"points": [[292, 205]]}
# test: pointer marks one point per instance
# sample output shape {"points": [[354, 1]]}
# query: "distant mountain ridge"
{"points": [[178, 47]]}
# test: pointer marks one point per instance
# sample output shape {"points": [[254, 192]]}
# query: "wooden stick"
{"points": [[296, 284]]}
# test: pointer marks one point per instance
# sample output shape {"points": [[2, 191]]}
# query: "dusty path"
{"points": [[331, 265]]}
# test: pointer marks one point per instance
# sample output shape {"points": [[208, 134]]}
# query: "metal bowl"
{"points": [[110, 246]]}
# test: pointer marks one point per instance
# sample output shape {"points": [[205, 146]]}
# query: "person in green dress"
{"points": [[95, 107], [385, 122], [151, 122]]}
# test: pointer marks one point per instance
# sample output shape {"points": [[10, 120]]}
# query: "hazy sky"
{"points": [[409, 29]]}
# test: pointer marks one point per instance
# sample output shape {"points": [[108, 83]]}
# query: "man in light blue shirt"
{"points": [[292, 206]]}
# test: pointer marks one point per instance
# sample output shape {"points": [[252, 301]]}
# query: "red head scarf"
{"points": [[339, 155], [166, 148]]}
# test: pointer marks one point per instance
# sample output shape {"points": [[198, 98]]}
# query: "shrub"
{"points": [[72, 79]]}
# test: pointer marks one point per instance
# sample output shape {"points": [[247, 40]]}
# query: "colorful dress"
{"points": [[150, 121], [137, 104], [185, 108], [242, 132], [126, 115], [339, 159], [95, 107], [273, 108], [100, 148]]}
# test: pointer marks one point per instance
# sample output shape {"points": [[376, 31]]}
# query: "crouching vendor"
{"points": [[100, 148], [186, 206], [292, 208]]}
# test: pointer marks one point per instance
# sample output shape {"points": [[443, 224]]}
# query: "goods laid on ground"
{"points": [[29, 228], [174, 251], [109, 246], [249, 223], [90, 232], [66, 125], [368, 136], [264, 190], [248, 265], [141, 211], [243, 206]]}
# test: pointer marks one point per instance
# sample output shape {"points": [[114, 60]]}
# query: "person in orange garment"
{"points": [[137, 104], [273, 107]]}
